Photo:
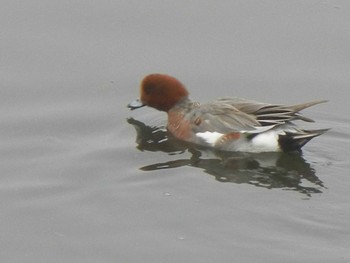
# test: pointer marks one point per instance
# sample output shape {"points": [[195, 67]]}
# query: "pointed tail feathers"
{"points": [[302, 106], [295, 141]]}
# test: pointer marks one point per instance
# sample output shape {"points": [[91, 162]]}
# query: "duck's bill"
{"points": [[135, 104]]}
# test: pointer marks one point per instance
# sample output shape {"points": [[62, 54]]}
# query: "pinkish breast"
{"points": [[179, 126]]}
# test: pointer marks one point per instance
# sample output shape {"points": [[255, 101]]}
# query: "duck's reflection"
{"points": [[269, 170]]}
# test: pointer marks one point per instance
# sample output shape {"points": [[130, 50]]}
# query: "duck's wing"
{"points": [[222, 118], [270, 114]]}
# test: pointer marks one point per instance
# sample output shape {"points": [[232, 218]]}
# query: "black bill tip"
{"points": [[135, 104]]}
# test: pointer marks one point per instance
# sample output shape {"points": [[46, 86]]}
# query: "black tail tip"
{"points": [[295, 141]]}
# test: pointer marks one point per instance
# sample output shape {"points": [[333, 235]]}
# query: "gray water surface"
{"points": [[83, 179]]}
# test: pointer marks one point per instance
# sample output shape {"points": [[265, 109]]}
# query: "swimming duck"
{"points": [[228, 124]]}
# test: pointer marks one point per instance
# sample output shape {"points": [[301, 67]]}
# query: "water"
{"points": [[83, 179]]}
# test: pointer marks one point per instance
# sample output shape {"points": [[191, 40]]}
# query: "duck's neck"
{"points": [[185, 104]]}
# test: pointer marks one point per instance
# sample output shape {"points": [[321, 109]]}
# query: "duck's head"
{"points": [[159, 91]]}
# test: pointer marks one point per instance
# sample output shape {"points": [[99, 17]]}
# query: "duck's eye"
{"points": [[147, 89]]}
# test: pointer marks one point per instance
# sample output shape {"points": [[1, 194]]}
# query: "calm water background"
{"points": [[79, 184]]}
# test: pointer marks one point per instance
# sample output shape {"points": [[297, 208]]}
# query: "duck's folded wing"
{"points": [[270, 114], [222, 118]]}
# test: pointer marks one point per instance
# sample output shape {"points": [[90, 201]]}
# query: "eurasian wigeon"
{"points": [[229, 124]]}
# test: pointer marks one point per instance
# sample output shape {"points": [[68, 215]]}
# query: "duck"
{"points": [[229, 123]]}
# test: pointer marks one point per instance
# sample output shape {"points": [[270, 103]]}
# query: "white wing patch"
{"points": [[209, 137]]}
